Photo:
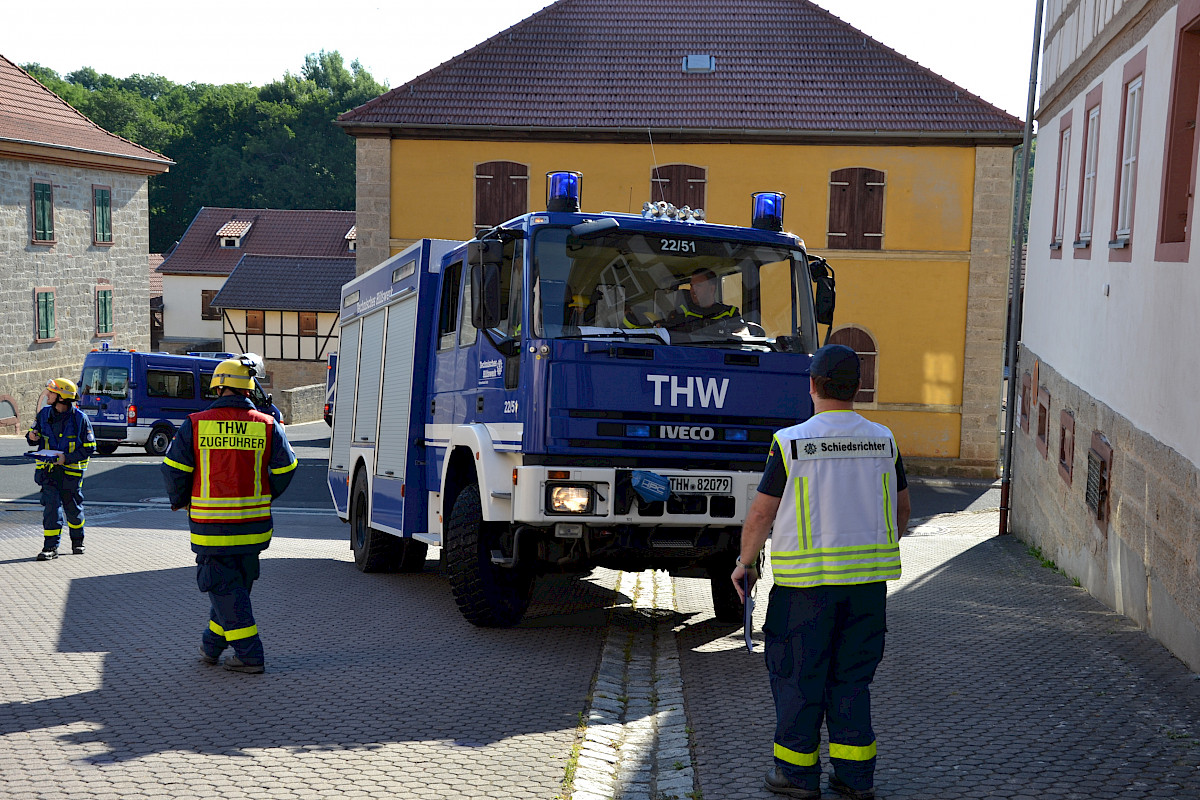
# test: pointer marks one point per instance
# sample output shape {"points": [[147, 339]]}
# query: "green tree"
{"points": [[234, 144]]}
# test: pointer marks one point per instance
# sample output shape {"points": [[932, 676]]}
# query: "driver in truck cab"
{"points": [[700, 308]]}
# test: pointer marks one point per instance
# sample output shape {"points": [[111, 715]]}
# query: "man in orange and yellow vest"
{"points": [[225, 465], [836, 496]]}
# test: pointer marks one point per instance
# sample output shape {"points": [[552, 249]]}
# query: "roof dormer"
{"points": [[232, 232], [352, 238]]}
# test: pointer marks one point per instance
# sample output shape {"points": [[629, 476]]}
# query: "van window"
{"points": [[169, 383], [111, 381], [205, 383]]}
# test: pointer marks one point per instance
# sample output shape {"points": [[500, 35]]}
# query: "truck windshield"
{"points": [[110, 381], [671, 288]]}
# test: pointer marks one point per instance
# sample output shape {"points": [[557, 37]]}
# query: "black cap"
{"points": [[838, 363]]}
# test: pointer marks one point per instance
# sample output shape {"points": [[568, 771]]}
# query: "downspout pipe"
{"points": [[1014, 304]]}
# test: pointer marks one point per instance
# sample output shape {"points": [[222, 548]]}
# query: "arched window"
{"points": [[861, 342], [679, 184], [501, 192], [856, 209]]}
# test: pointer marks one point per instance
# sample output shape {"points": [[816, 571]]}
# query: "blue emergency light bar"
{"points": [[768, 211], [562, 191]]}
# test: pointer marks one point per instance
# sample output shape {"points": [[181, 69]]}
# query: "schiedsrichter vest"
{"points": [[836, 522]]}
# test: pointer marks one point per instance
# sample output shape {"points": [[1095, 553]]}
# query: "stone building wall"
{"points": [[1145, 565], [73, 266], [373, 203]]}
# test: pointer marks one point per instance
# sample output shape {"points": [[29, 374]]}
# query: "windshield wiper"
{"points": [[614, 335]]}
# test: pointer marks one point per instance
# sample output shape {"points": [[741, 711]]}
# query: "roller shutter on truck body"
{"points": [[370, 361], [399, 349], [343, 413]]}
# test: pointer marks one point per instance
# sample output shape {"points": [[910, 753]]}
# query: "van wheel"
{"points": [[487, 595], [106, 448], [374, 550], [160, 440], [726, 603]]}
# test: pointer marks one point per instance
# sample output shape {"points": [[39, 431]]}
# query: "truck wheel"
{"points": [[726, 603], [374, 550], [160, 440], [488, 595], [106, 448]]}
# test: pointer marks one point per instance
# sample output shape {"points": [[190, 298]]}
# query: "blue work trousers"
{"points": [[228, 580], [61, 493], [823, 644]]}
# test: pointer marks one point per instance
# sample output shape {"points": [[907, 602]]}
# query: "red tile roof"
{"points": [[617, 65], [32, 114], [235, 228], [274, 232], [155, 277]]}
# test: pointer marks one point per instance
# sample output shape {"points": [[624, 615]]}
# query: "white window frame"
{"points": [[1064, 168], [1087, 213], [1129, 150]]}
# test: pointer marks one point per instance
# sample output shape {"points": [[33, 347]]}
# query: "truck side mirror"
{"points": [[826, 297], [489, 251], [485, 294]]}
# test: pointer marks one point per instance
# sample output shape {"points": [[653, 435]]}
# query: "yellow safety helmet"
{"points": [[62, 387], [236, 373]]}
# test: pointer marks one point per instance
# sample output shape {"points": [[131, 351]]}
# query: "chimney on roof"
{"points": [[699, 63]]}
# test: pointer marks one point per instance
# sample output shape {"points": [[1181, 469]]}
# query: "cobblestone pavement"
{"points": [[375, 686], [1001, 679]]}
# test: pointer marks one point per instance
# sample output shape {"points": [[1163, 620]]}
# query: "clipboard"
{"points": [[44, 455]]}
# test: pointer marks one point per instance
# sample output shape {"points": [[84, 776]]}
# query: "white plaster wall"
{"points": [[1126, 333], [181, 307]]}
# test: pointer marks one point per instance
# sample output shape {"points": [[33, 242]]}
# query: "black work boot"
{"points": [[48, 554], [778, 783], [235, 664], [836, 785], [76, 548], [206, 658]]}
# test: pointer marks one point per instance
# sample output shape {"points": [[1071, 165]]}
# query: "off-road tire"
{"points": [[488, 595], [374, 550], [160, 440], [106, 448]]}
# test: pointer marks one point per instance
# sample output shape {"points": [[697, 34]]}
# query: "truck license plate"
{"points": [[701, 484]]}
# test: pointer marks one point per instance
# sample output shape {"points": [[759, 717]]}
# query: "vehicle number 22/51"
{"points": [[510, 406], [676, 245]]}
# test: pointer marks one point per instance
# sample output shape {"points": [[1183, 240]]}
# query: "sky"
{"points": [[257, 41]]}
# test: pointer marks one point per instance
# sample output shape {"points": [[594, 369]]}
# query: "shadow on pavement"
{"points": [[353, 660], [999, 677]]}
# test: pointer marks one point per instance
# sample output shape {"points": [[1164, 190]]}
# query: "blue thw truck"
{"points": [[538, 399]]}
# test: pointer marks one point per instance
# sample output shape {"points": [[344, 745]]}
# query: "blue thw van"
{"points": [[140, 399]]}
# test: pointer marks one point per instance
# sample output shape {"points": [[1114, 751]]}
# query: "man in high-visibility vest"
{"points": [[835, 494], [63, 427], [225, 465]]}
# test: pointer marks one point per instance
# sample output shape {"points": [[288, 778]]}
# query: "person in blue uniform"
{"points": [[61, 426], [225, 466], [834, 499]]}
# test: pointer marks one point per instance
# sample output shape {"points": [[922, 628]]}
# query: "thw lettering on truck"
{"points": [[690, 388]]}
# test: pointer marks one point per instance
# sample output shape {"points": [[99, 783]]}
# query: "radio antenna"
{"points": [[656, 179]]}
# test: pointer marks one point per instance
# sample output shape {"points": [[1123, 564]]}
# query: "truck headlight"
{"points": [[569, 499]]}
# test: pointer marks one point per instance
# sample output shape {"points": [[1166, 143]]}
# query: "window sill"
{"points": [[108, 335], [1056, 245], [1082, 244], [102, 244], [1118, 244], [45, 341], [43, 242]]}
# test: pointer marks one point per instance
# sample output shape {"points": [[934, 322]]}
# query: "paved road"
{"points": [[130, 475], [1001, 680]]}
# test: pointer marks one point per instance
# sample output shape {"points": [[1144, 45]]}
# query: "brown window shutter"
{"points": [[870, 209], [501, 192], [862, 343], [679, 184], [841, 207]]}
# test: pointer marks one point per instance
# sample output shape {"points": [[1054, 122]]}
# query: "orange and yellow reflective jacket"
{"points": [[226, 464]]}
